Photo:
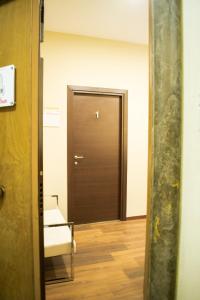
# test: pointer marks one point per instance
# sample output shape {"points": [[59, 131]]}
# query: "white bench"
{"points": [[58, 238]]}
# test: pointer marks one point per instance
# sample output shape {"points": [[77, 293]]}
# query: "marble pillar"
{"points": [[165, 150]]}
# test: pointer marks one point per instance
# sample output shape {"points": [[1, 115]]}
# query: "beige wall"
{"points": [[76, 60], [189, 252]]}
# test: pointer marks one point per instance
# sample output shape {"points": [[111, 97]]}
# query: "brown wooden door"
{"points": [[95, 137]]}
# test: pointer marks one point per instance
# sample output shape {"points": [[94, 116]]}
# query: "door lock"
{"points": [[2, 191]]}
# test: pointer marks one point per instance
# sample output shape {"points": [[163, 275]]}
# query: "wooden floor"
{"points": [[109, 263]]}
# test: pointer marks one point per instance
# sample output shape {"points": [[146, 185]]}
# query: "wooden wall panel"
{"points": [[19, 279], [164, 149]]}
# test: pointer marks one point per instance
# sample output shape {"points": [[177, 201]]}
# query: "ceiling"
{"points": [[124, 20]]}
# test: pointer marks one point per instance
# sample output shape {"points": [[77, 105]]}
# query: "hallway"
{"points": [[109, 263]]}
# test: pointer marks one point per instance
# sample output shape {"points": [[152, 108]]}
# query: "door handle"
{"points": [[78, 157], [2, 191]]}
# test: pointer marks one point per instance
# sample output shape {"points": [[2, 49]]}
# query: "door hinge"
{"points": [[41, 21]]}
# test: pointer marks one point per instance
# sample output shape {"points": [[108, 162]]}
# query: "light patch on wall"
{"points": [[52, 117]]}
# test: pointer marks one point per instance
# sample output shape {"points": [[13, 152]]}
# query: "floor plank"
{"points": [[109, 263]]}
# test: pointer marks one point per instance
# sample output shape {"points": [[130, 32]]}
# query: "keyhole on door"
{"points": [[2, 191]]}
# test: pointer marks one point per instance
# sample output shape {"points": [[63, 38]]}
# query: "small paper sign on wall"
{"points": [[7, 86], [51, 118]]}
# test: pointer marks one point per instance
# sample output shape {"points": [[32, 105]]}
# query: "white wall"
{"points": [[189, 253], [76, 60]]}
